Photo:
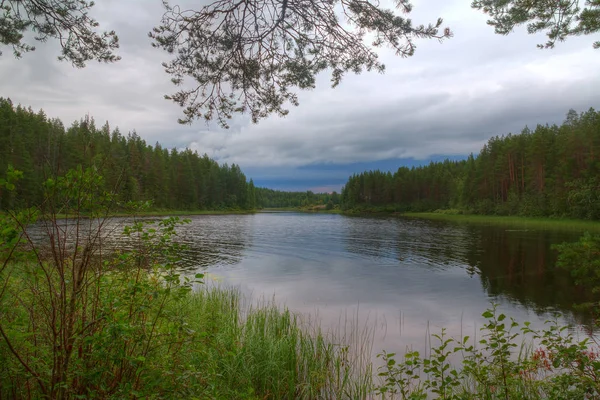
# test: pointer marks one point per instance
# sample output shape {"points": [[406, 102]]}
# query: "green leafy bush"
{"points": [[509, 361]]}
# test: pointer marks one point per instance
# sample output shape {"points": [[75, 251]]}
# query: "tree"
{"points": [[65, 20], [558, 18], [236, 56], [248, 56]]}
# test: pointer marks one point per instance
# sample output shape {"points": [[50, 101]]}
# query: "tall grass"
{"points": [[267, 351]]}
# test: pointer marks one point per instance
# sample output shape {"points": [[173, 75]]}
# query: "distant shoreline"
{"points": [[315, 210], [522, 222], [515, 221]]}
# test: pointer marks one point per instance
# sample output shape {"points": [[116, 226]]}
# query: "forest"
{"points": [[172, 179], [42, 147], [269, 198], [551, 171]]}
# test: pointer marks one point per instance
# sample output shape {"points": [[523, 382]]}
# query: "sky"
{"points": [[444, 102]]}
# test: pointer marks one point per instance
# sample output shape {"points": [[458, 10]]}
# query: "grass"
{"points": [[263, 351], [521, 222]]}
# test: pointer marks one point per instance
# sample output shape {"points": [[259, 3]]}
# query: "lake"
{"points": [[396, 278], [392, 279]]}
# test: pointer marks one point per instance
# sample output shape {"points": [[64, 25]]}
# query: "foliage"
{"points": [[329, 205], [77, 322], [559, 19], [548, 364], [67, 21], [249, 56], [551, 171]]}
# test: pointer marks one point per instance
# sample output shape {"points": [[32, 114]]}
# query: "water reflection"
{"points": [[400, 277], [520, 266], [515, 264]]}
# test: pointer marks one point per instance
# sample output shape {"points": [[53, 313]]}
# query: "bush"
{"points": [[547, 364]]}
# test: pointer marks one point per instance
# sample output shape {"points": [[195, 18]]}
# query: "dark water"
{"points": [[399, 278]]}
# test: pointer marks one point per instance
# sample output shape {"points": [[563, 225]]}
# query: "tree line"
{"points": [[550, 171], [43, 147], [269, 198]]}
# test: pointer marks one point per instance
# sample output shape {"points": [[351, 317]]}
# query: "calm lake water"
{"points": [[398, 278]]}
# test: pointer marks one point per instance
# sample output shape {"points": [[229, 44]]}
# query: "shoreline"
{"points": [[525, 222], [515, 221]]}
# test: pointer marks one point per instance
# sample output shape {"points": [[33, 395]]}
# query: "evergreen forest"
{"points": [[551, 171], [43, 147]]}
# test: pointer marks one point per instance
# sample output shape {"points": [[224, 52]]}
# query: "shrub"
{"points": [[509, 361]]}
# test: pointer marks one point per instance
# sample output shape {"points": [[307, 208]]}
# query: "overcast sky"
{"points": [[445, 101]]}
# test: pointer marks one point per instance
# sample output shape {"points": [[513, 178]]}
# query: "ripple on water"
{"points": [[401, 276]]}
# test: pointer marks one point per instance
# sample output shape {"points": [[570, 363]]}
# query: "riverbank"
{"points": [[520, 222]]}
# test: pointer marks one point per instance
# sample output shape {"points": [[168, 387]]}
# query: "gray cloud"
{"points": [[447, 99]]}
